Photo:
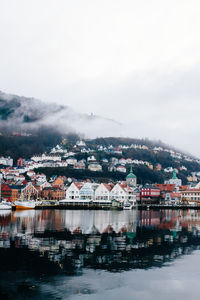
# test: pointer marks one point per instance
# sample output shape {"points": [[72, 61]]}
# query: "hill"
{"points": [[29, 126], [28, 115]]}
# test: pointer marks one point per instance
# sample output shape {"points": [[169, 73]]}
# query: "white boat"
{"points": [[127, 206], [5, 205], [26, 204]]}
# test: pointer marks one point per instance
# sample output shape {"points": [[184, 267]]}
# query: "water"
{"points": [[80, 254]]}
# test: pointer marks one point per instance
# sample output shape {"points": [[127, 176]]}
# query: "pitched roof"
{"points": [[166, 187], [108, 186], [183, 187], [191, 190], [78, 185]]}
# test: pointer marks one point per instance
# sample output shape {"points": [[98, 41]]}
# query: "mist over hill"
{"points": [[29, 114]]}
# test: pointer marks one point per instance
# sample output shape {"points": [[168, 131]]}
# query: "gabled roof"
{"points": [[78, 185], [183, 187], [108, 186]]}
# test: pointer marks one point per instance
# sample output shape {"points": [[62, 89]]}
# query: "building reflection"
{"points": [[68, 241]]}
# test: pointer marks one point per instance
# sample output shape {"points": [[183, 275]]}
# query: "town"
{"points": [[23, 181]]}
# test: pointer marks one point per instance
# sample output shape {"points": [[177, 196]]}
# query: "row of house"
{"points": [[101, 193], [42, 189]]}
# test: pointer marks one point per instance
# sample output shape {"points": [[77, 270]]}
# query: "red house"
{"points": [[6, 192], [149, 193], [20, 162]]}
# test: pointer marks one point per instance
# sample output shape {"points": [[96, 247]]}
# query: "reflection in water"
{"points": [[38, 249]]}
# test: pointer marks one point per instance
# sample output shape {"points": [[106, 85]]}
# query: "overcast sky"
{"points": [[137, 62]]}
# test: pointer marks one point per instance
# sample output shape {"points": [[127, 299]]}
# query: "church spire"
{"points": [[131, 179], [174, 175]]}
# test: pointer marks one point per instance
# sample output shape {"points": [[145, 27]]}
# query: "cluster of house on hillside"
{"points": [[61, 156], [23, 181]]}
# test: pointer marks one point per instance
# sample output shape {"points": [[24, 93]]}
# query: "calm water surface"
{"points": [[80, 254]]}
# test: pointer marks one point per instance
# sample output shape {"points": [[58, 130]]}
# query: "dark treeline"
{"points": [[116, 141], [26, 146]]}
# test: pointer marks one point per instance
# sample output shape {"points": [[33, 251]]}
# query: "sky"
{"points": [[137, 62]]}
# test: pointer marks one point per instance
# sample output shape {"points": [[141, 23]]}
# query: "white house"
{"points": [[102, 193], [30, 173], [73, 191], [118, 193], [123, 193], [121, 169], [71, 160], [95, 167], [87, 191], [6, 161], [122, 161]]}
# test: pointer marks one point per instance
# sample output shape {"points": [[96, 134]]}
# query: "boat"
{"points": [[127, 206], [5, 205], [26, 204]]}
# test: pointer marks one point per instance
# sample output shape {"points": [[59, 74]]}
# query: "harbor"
{"points": [[89, 206]]}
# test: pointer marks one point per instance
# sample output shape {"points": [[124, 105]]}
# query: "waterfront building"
{"points": [[121, 192], [191, 195], [149, 193], [29, 192], [102, 193], [87, 191], [53, 193], [173, 198], [10, 192], [73, 191], [166, 187], [58, 182]]}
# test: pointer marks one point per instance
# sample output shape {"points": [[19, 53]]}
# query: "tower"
{"points": [[174, 180], [131, 179]]}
